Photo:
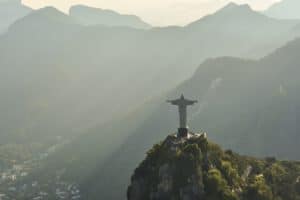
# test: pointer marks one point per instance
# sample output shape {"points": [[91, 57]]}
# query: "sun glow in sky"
{"points": [[155, 12]]}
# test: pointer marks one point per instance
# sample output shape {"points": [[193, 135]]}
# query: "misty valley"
{"points": [[90, 102]]}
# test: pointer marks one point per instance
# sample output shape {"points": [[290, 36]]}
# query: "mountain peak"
{"points": [[230, 5], [98, 16], [194, 168], [48, 10], [231, 15], [50, 13], [233, 7], [42, 19]]}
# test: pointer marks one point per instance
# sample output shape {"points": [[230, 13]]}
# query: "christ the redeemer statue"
{"points": [[182, 104]]}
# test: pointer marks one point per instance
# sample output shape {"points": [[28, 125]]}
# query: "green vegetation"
{"points": [[217, 187], [222, 175]]}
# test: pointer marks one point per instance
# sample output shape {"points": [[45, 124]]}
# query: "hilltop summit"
{"points": [[230, 7], [189, 168], [96, 16], [49, 13], [233, 19], [43, 21], [230, 13]]}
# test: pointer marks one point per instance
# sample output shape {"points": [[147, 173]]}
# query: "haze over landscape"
{"points": [[155, 12], [84, 84]]}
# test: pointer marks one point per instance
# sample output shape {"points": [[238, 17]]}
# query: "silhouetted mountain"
{"points": [[96, 16], [30, 53], [60, 65], [45, 22], [50, 14], [10, 11], [194, 168], [285, 9], [227, 24], [234, 18], [235, 13]]}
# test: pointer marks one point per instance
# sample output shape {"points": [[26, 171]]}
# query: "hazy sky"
{"points": [[156, 12]]}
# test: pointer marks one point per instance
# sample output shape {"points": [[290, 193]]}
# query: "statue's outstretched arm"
{"points": [[191, 102], [174, 102]]}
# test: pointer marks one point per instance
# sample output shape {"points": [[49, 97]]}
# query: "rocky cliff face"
{"points": [[193, 168]]}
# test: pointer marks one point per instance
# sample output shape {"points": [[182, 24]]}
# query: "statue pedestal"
{"points": [[183, 132]]}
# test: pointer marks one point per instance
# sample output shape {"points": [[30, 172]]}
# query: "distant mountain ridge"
{"points": [[284, 9], [10, 11], [234, 18], [68, 51], [231, 11], [46, 16], [96, 16]]}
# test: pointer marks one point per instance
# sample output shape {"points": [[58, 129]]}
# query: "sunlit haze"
{"points": [[155, 12]]}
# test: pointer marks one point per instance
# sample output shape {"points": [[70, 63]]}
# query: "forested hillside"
{"points": [[195, 168]]}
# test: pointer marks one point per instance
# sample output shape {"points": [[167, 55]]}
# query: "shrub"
{"points": [[258, 190]]}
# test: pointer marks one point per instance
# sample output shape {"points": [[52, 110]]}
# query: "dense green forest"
{"points": [[195, 168]]}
